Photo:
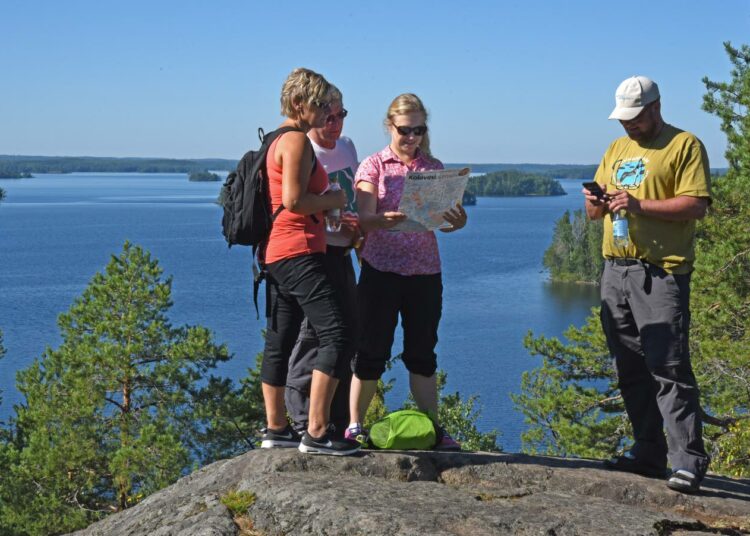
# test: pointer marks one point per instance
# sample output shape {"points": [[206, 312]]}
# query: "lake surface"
{"points": [[57, 231]]}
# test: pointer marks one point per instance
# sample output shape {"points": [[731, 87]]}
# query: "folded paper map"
{"points": [[428, 195]]}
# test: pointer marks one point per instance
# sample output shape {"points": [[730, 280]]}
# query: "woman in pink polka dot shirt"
{"points": [[400, 270]]}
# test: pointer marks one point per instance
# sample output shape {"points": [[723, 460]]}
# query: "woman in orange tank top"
{"points": [[298, 285]]}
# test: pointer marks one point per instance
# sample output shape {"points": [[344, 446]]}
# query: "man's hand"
{"points": [[594, 200], [622, 200]]}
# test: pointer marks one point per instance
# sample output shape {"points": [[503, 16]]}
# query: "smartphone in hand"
{"points": [[595, 190]]}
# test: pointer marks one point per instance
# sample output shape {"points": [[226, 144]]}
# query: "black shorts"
{"points": [[382, 297]]}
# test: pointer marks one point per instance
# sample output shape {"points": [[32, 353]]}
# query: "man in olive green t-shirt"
{"points": [[657, 177]]}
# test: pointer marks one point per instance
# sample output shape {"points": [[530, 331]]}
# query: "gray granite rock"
{"points": [[416, 493]]}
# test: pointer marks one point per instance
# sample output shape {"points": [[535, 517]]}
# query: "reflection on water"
{"points": [[571, 296]]}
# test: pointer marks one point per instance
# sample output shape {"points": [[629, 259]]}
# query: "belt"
{"points": [[619, 261]]}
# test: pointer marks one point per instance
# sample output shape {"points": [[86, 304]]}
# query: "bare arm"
{"points": [[294, 155], [367, 203], [680, 208]]}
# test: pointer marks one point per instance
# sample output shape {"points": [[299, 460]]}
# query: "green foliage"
{"points": [[575, 252], [110, 415], [513, 183], [232, 416], [459, 418], [203, 176], [571, 402], [720, 338], [237, 502]]}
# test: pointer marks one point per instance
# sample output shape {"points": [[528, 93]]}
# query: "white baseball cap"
{"points": [[632, 96]]}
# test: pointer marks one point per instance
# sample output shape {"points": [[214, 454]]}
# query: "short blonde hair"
{"points": [[303, 86], [408, 103]]}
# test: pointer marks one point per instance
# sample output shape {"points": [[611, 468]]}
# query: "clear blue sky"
{"points": [[521, 81]]}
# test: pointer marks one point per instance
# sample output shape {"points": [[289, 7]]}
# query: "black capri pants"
{"points": [[382, 296], [300, 287]]}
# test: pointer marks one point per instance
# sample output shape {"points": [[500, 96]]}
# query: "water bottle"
{"points": [[620, 229], [333, 216]]}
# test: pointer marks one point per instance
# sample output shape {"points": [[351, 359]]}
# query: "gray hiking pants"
{"points": [[338, 263], [645, 316]]}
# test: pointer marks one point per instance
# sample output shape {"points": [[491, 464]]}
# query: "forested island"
{"points": [[575, 254], [8, 174], [558, 171], [203, 176], [468, 199], [513, 183]]}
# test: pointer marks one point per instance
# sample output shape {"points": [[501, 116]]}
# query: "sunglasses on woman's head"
{"points": [[325, 106], [337, 117], [405, 131]]}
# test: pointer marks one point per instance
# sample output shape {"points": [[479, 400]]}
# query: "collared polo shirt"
{"points": [[397, 252]]}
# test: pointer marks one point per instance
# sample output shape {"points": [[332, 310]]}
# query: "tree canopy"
{"points": [[114, 413], [513, 183], [575, 253], [203, 176]]}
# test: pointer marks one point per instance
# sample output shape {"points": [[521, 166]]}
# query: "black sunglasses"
{"points": [[337, 117], [405, 131]]}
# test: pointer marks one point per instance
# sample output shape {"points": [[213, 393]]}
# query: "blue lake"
{"points": [[57, 231]]}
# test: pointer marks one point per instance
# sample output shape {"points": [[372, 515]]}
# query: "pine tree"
{"points": [[572, 402], [721, 295], [575, 252], [109, 416]]}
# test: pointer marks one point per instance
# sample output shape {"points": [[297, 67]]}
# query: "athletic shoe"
{"points": [[327, 444], [279, 439], [684, 482], [445, 441], [357, 433], [629, 464]]}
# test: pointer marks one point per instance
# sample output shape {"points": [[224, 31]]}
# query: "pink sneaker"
{"points": [[445, 441], [357, 433]]}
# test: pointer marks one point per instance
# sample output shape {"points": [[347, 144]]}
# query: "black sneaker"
{"points": [[287, 438], [684, 482], [327, 444], [629, 464]]}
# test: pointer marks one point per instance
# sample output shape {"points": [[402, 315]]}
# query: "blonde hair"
{"points": [[408, 103], [303, 86]]}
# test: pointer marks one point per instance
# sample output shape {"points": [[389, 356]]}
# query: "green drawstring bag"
{"points": [[406, 429]]}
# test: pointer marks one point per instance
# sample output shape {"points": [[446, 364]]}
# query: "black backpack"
{"points": [[246, 198]]}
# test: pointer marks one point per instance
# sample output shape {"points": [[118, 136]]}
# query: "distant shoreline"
{"points": [[15, 175], [13, 165]]}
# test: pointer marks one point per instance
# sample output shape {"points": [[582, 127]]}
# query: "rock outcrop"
{"points": [[429, 493]]}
